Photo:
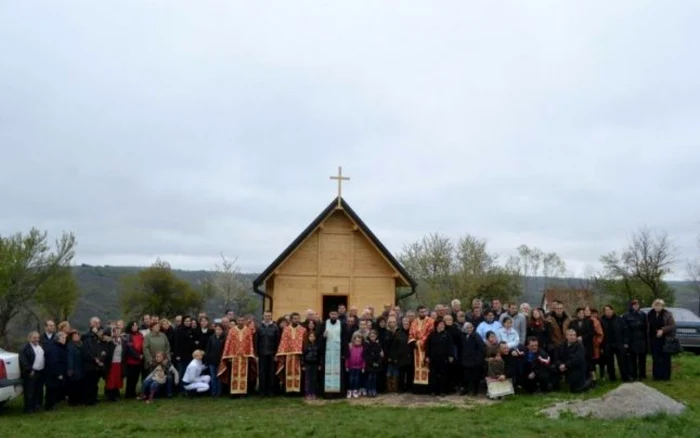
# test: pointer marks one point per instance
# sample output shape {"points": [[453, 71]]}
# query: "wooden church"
{"points": [[335, 260]]}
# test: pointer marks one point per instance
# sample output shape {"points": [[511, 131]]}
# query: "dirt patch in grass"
{"points": [[412, 401]]}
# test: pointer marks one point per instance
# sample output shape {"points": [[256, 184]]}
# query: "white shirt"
{"points": [[193, 371], [49, 336], [39, 361]]}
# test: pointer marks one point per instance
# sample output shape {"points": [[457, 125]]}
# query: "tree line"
{"points": [[37, 283], [465, 268]]}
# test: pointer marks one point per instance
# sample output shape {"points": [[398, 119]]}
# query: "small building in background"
{"points": [[335, 260]]}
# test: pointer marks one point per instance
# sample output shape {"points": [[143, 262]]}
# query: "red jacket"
{"points": [[134, 349]]}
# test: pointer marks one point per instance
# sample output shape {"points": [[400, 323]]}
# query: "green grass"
{"points": [[516, 416]]}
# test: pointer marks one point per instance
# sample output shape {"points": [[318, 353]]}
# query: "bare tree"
{"points": [[648, 258], [228, 284], [693, 272]]}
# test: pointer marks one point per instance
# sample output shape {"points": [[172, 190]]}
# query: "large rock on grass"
{"points": [[628, 400]]}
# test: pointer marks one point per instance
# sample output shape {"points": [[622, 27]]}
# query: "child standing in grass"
{"points": [[158, 377], [355, 365], [373, 356], [312, 364]]}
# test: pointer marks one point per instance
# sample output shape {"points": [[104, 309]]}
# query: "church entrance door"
{"points": [[331, 302]]}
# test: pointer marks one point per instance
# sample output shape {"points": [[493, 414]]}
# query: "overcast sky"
{"points": [[182, 130]]}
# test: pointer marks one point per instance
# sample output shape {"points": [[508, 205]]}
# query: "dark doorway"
{"points": [[331, 302]]}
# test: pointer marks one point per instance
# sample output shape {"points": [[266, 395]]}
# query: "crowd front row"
{"points": [[347, 355]]}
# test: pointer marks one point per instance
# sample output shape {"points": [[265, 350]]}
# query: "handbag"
{"points": [[672, 346]]}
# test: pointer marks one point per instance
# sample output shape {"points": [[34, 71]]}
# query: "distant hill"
{"points": [[99, 290], [99, 287]]}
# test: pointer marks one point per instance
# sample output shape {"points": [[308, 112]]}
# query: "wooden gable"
{"points": [[336, 254]]}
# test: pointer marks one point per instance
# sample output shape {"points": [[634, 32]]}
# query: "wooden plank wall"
{"points": [[336, 260]]}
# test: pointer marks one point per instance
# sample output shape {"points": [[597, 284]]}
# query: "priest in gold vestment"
{"points": [[238, 352], [289, 354], [421, 328]]}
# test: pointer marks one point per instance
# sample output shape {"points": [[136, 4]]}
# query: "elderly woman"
{"points": [[472, 359], [661, 326]]}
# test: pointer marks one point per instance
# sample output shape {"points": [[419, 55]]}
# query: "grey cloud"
{"points": [[186, 132]]}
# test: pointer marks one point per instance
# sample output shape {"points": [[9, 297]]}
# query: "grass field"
{"points": [[516, 416]]}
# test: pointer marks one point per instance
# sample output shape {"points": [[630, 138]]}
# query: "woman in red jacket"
{"points": [[134, 358]]}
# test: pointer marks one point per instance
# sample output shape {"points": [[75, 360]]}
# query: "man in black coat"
{"points": [[32, 363], [615, 344], [636, 322], [94, 354], [268, 338], [571, 362], [536, 368], [56, 370], [49, 334]]}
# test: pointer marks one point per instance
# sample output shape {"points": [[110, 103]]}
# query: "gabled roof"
{"points": [[314, 225]]}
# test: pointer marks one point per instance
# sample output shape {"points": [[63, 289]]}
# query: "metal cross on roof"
{"points": [[340, 179]]}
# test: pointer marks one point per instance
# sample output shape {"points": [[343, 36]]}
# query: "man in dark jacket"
{"points": [[56, 370], [32, 364], [94, 355], [536, 368], [268, 338], [571, 362], [636, 322], [49, 334], [615, 344]]}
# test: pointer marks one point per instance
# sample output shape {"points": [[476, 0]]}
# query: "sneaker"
{"points": [[355, 394], [349, 394]]}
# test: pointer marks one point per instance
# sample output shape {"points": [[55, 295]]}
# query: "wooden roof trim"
{"points": [[313, 226]]}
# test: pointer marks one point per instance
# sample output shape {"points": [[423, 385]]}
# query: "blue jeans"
{"points": [[392, 370], [354, 376], [371, 383], [150, 386], [215, 384]]}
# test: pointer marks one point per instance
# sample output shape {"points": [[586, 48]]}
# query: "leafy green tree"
{"points": [[58, 296], [478, 272], [27, 263], [430, 262], [465, 270], [157, 290]]}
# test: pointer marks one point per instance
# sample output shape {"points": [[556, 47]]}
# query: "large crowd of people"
{"points": [[350, 354]]}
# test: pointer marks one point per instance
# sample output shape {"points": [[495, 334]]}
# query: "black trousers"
{"points": [[608, 361], [438, 377], [405, 378], [267, 374], [472, 378], [90, 387], [133, 372], [53, 395], [637, 365], [33, 388], [660, 361], [540, 382], [76, 392]]}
